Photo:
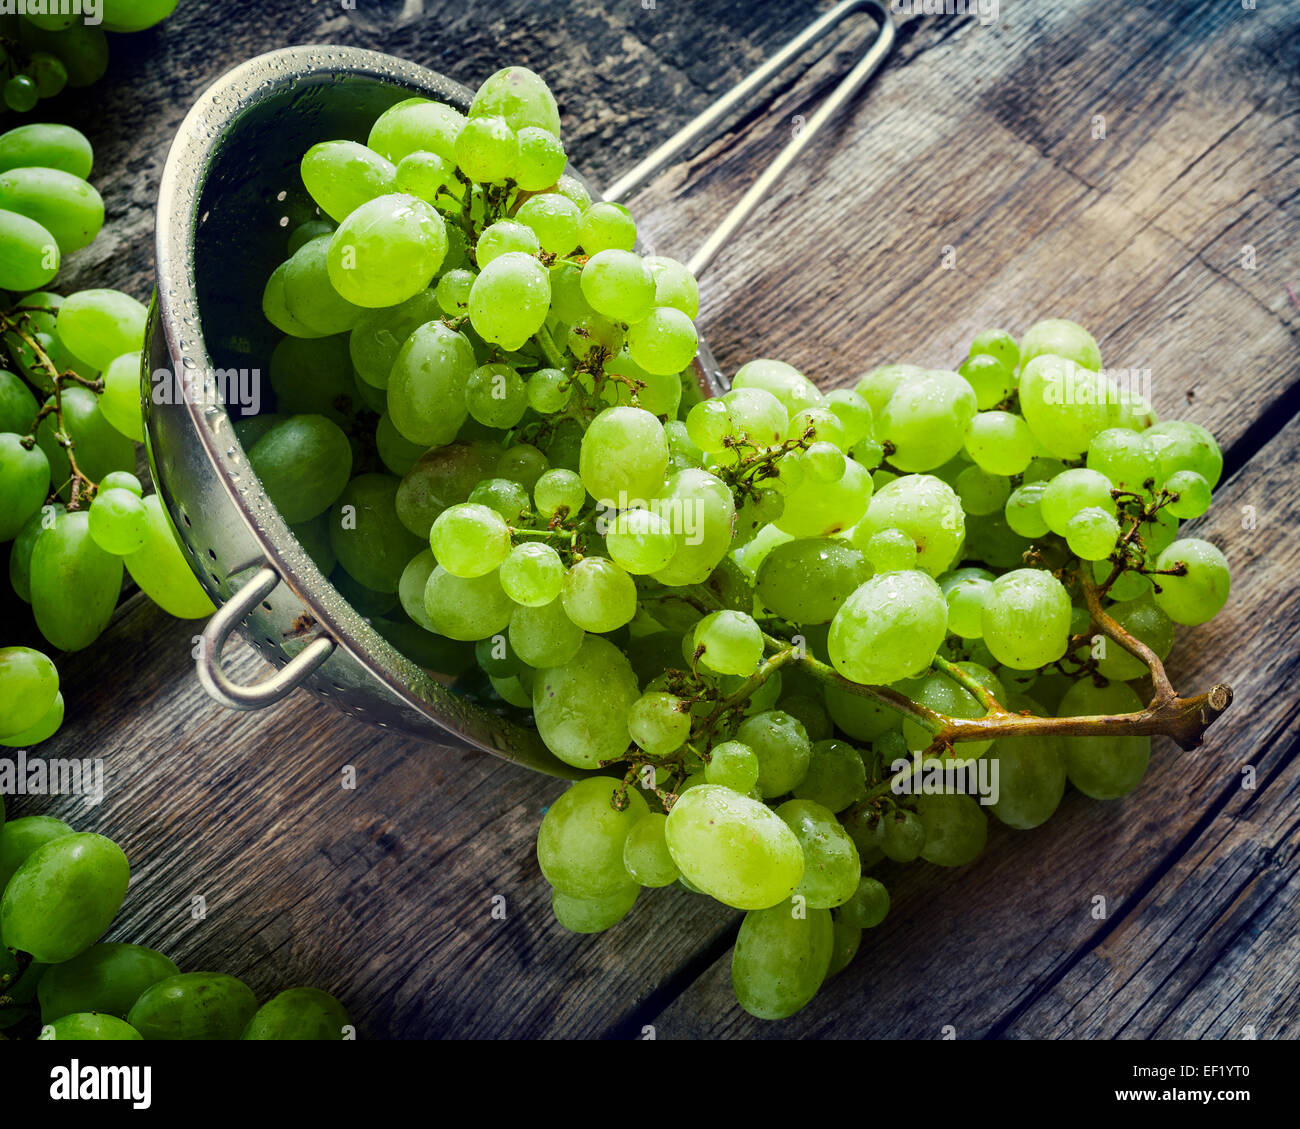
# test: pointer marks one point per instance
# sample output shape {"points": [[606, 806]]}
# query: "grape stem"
{"points": [[549, 348], [971, 685]]}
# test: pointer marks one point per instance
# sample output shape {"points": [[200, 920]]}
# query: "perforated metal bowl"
{"points": [[229, 192]]}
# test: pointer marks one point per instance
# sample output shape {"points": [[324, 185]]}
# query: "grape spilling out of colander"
{"points": [[786, 634]]}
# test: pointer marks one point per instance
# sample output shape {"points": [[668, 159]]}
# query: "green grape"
{"points": [[581, 840], [1196, 594], [306, 232], [540, 161], [67, 559], [836, 776], [411, 585], [64, 204], [119, 522], [100, 448], [618, 285], [24, 483], [902, 836], [554, 220], [831, 866], [1191, 494], [878, 386], [135, 15], [386, 251], [845, 942], [495, 396], [1159, 533], [20, 553], [509, 499], [522, 463], [45, 728], [942, 694], [119, 403], [664, 341], [300, 1014], [161, 570], [781, 744], [794, 390], [701, 510], [811, 714], [342, 175], [867, 905], [1104, 768], [926, 420], [819, 509], [487, 149], [659, 723], [982, 493], [955, 828], [733, 765], [520, 97], [646, 855], [48, 73], [85, 1026], [504, 236], [640, 541], [733, 848], [729, 642], [1180, 445], [20, 93], [470, 540], [1000, 443], [17, 404], [823, 462], [989, 378], [426, 389], [675, 286], [1024, 510], [194, 1006], [806, 581], [593, 915], [1143, 619], [46, 145], [1067, 406], [423, 174], [598, 595], [1031, 779], [567, 302], [367, 537], [63, 896], [581, 705], [889, 628], [1072, 491], [378, 337], [275, 304], [453, 293], [558, 490], [416, 125], [509, 300], [1091, 534], [854, 414], [396, 452], [440, 478], [781, 958], [624, 456], [29, 683], [997, 343], [965, 592], [1124, 457], [1026, 618], [100, 325], [512, 690], [545, 636], [122, 480], [606, 227], [592, 333], [816, 426], [29, 253], [1060, 338], [304, 463], [926, 508], [107, 978], [309, 292]]}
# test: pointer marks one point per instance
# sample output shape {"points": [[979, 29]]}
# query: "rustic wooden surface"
{"points": [[976, 145]]}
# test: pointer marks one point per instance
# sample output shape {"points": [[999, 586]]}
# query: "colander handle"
{"points": [[228, 617], [703, 125]]}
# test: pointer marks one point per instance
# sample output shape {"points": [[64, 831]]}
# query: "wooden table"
{"points": [[250, 857]]}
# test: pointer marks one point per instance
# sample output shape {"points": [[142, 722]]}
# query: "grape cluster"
{"points": [[747, 610], [41, 53], [61, 891]]}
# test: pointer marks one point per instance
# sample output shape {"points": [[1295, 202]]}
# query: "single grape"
{"points": [[545, 636], [1026, 618], [598, 595], [889, 628], [299, 1014], [1194, 582], [729, 642], [194, 1006], [780, 959]]}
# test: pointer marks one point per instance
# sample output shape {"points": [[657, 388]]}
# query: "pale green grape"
{"points": [[781, 744], [593, 332], [522, 463], [120, 400], [1143, 619], [24, 483], [396, 452], [868, 904], [997, 343], [659, 723], [926, 420], [29, 683], [846, 939], [503, 236], [624, 457], [729, 642], [107, 978], [1024, 510], [1026, 618], [452, 293], [495, 396], [100, 325], [1072, 491], [424, 175], [1191, 494], [1125, 457], [415, 125], [44, 729], [1031, 778], [640, 541], [466, 609], [1180, 445], [66, 559], [426, 389], [580, 842], [532, 574], [309, 293], [549, 390], [1109, 767], [162, 570], [593, 915], [520, 96], [411, 585], [942, 694], [306, 232], [619, 285], [540, 160], [794, 390], [29, 253], [119, 522], [781, 959], [955, 828], [510, 299], [1060, 338], [487, 149], [889, 628], [1200, 590], [664, 341], [878, 386], [989, 378], [545, 636], [831, 866], [554, 220], [1066, 405], [733, 848], [818, 509], [46, 145], [982, 493], [926, 508], [902, 836], [806, 581], [386, 251], [581, 706], [64, 204], [733, 765], [469, 540], [674, 285], [646, 855], [557, 490], [1000, 443], [1091, 534], [836, 775], [343, 175], [965, 591], [606, 227], [598, 595]]}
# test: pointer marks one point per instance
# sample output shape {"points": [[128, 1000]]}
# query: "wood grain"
{"points": [[979, 139]]}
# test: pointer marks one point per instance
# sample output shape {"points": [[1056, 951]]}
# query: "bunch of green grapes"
{"points": [[487, 432], [41, 53], [59, 892]]}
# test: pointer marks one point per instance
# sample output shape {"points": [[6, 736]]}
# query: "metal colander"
{"points": [[230, 191]]}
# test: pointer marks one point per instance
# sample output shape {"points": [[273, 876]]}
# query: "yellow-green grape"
{"points": [[664, 341], [194, 1006], [396, 452], [1191, 494], [965, 591], [624, 456], [733, 765], [879, 384], [593, 915], [1024, 510], [1031, 779], [1143, 619], [416, 125], [997, 343], [504, 236], [581, 706], [729, 642], [367, 536], [275, 305], [1061, 338], [1104, 768], [567, 302], [902, 835], [304, 463], [309, 295], [1026, 618], [162, 571], [119, 522], [836, 775], [1072, 491], [594, 332], [469, 540], [64, 204], [831, 865], [453, 292], [29, 253], [702, 512], [1067, 405], [1092, 533], [571, 188], [675, 286], [598, 595], [532, 574], [120, 400], [544, 636], [386, 251], [466, 609], [944, 696], [1000, 443], [926, 420], [580, 842], [508, 498], [558, 489], [20, 837], [1180, 445], [29, 683], [377, 339], [819, 509], [63, 896], [100, 448], [495, 396], [520, 96], [510, 299], [890, 628], [554, 219], [107, 978], [781, 744], [24, 483], [67, 559], [845, 943], [926, 508], [817, 426], [306, 232], [806, 581], [618, 285], [487, 149], [780, 959], [1125, 458], [989, 378], [733, 848], [46, 145], [646, 855], [43, 730], [640, 541], [890, 550], [299, 1014], [868, 904], [1194, 581], [956, 828], [343, 175], [86, 1027], [606, 227], [17, 404], [522, 463], [659, 723], [426, 388], [854, 414], [423, 174], [540, 161]]}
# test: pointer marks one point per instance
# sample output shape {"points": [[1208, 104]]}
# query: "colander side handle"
{"points": [[228, 617], [703, 125]]}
